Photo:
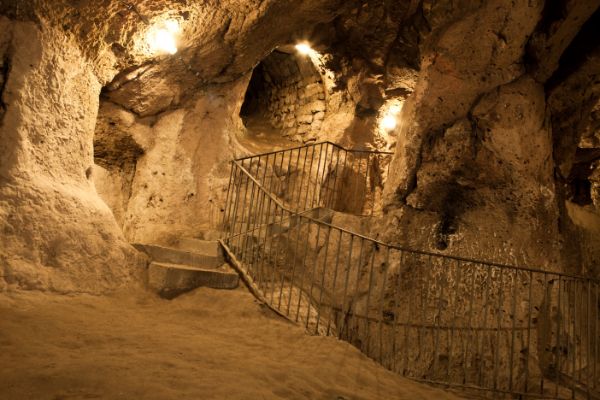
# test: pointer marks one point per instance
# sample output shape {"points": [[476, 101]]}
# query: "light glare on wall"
{"points": [[162, 37], [389, 122], [304, 49]]}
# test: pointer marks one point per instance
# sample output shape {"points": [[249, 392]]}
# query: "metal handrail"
{"points": [[312, 145], [407, 249], [538, 317]]}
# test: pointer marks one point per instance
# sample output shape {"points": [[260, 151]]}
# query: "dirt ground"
{"points": [[207, 344]]}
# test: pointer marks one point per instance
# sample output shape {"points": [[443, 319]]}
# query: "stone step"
{"points": [[171, 280], [178, 256], [198, 246]]}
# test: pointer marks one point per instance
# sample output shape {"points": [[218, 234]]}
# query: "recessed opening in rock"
{"points": [[285, 97]]}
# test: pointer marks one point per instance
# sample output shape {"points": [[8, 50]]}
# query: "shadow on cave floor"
{"points": [[260, 136]]}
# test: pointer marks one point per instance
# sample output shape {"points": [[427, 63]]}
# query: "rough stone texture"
{"points": [[465, 176], [57, 233], [179, 183]]}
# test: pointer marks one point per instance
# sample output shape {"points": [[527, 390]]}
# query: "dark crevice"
{"points": [[554, 11], [4, 72], [578, 185], [578, 51]]}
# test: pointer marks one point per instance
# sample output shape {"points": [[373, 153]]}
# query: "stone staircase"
{"points": [[190, 264]]}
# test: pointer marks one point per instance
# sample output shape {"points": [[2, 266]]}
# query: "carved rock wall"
{"points": [[56, 232]]}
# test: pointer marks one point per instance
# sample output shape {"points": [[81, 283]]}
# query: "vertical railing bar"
{"points": [[227, 198], [262, 230], [298, 218], [335, 274], [453, 322], [251, 215], [302, 272], [316, 185], [322, 287], [323, 173], [289, 235], [480, 349], [498, 327], [576, 336], [334, 191], [246, 182], [294, 182], [549, 294], [288, 174], [472, 332], [597, 336], [312, 275], [357, 285], [437, 319], [279, 247], [236, 215], [579, 322], [378, 163], [303, 173], [312, 158], [528, 354], [367, 322], [425, 305], [346, 282], [279, 180], [344, 172], [267, 246], [269, 236], [559, 327], [252, 230], [513, 308], [407, 323], [354, 180], [367, 187], [588, 338], [265, 227], [256, 249], [239, 239], [381, 301], [573, 300], [236, 204]]}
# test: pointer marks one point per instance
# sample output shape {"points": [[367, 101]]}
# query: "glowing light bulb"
{"points": [[304, 49], [161, 38], [389, 122]]}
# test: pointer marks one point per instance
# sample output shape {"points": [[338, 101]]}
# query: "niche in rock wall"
{"points": [[285, 96], [116, 152]]}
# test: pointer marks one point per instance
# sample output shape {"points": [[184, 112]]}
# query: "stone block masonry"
{"points": [[294, 98]]}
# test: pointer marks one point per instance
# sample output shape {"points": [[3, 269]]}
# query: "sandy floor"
{"points": [[204, 345]]}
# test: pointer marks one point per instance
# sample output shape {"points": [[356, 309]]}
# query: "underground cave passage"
{"points": [[317, 199], [285, 97]]}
